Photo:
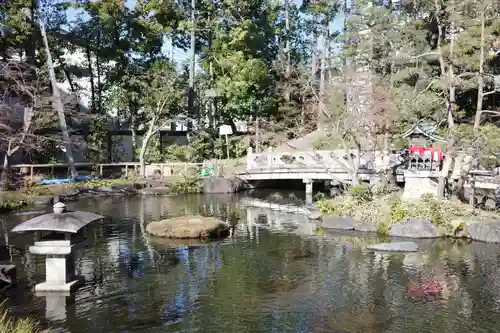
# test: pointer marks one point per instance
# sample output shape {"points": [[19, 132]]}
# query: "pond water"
{"points": [[280, 276]]}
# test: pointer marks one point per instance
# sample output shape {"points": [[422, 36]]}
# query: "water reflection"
{"points": [[274, 275]]}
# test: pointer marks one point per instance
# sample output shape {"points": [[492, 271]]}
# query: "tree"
{"points": [[15, 133], [58, 102], [160, 102]]}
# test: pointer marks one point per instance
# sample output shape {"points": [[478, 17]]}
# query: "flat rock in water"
{"points": [[484, 232], [394, 247], [105, 189], [42, 199], [155, 191], [414, 229], [31, 212], [183, 227], [314, 216], [346, 223]]}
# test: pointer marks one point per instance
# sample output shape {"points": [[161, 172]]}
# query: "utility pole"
{"points": [[191, 93]]}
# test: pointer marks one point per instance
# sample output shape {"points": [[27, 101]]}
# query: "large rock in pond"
{"points": [[394, 247], [183, 227], [483, 231], [222, 185], [347, 223], [414, 229]]}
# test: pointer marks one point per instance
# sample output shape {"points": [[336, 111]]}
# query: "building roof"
{"points": [[426, 129]]}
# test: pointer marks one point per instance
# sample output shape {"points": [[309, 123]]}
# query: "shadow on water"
{"points": [[275, 275]]}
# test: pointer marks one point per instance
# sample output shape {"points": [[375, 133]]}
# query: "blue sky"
{"points": [[179, 55]]}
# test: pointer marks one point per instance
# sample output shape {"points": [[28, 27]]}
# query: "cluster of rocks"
{"points": [[422, 229], [81, 193]]}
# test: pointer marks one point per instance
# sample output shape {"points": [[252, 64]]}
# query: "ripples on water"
{"points": [[279, 277]]}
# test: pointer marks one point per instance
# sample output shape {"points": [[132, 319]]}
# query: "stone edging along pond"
{"points": [[421, 229], [19, 200]]}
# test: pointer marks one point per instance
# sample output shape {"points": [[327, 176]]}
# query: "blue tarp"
{"points": [[64, 180]]}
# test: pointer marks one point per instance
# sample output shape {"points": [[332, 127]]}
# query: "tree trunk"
{"points": [[389, 173], [145, 141], [133, 130], [134, 143], [480, 79], [99, 72], [322, 78], [450, 100], [314, 56], [58, 101], [445, 74], [448, 163], [5, 178], [91, 78], [287, 52], [142, 161], [356, 163]]}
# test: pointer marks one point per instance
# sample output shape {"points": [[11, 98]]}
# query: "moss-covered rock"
{"points": [[386, 209], [183, 227]]}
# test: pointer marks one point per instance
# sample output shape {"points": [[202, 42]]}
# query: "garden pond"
{"points": [[278, 273]]}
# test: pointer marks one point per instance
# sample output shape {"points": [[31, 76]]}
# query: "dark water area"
{"points": [[275, 275]]}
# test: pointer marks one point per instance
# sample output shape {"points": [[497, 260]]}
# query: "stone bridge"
{"points": [[420, 174], [320, 165]]}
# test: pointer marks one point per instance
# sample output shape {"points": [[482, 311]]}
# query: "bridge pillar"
{"points": [[249, 158], [309, 190]]}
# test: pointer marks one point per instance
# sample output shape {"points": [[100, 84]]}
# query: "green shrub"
{"points": [[386, 210], [319, 230], [25, 325], [360, 193], [398, 210], [383, 229], [186, 184], [13, 200], [97, 183]]}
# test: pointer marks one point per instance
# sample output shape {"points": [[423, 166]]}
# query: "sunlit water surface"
{"points": [[280, 276]]}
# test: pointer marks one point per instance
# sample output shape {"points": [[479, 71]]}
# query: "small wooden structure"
{"points": [[57, 245], [423, 153]]}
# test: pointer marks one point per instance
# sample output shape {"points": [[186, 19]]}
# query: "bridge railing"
{"points": [[317, 159], [335, 160]]}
